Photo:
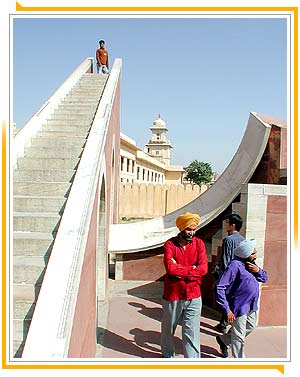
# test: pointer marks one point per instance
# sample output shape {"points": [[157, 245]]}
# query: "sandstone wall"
{"points": [[140, 200]]}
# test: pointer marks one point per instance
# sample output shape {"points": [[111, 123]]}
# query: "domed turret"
{"points": [[159, 123], [159, 147]]}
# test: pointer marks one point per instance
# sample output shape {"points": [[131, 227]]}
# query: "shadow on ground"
{"points": [[153, 292], [145, 344]]}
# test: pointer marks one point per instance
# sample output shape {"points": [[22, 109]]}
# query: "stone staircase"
{"points": [[41, 184]]}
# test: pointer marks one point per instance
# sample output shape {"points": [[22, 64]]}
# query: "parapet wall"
{"points": [[142, 200]]}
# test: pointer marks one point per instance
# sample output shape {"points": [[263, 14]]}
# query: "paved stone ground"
{"points": [[129, 327]]}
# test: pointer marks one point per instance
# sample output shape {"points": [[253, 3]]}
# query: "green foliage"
{"points": [[199, 172]]}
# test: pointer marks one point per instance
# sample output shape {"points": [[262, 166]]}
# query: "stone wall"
{"points": [[141, 200], [274, 298], [94, 273], [264, 210]]}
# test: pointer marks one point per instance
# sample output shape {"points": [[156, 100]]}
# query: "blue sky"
{"points": [[203, 75]]}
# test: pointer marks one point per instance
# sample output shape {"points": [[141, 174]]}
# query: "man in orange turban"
{"points": [[186, 263], [186, 219]]}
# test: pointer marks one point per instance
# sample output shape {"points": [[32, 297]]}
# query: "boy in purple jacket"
{"points": [[237, 293]]}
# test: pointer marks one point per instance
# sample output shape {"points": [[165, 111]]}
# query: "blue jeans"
{"points": [[102, 69], [189, 311]]}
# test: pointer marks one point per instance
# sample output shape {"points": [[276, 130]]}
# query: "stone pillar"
{"points": [[119, 267], [263, 208], [253, 209], [130, 166], [124, 165]]}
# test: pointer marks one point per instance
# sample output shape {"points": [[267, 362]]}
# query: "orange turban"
{"points": [[186, 219]]}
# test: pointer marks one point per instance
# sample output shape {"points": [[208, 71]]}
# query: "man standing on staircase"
{"points": [[186, 263], [102, 58]]}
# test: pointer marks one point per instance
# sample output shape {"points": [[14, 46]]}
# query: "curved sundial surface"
{"points": [[144, 235]]}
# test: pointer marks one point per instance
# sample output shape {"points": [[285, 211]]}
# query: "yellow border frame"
{"points": [[20, 8]]}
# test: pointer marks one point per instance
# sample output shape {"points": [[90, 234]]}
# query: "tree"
{"points": [[199, 172]]}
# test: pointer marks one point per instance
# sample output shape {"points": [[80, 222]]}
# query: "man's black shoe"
{"points": [[223, 347], [221, 328]]}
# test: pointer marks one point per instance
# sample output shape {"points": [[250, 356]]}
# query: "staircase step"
{"points": [[40, 175], [57, 133], [85, 124], [23, 310], [53, 142], [38, 203], [86, 97], [28, 270], [72, 116], [33, 243], [64, 127], [47, 163], [92, 90], [50, 152], [83, 106], [20, 329], [72, 111], [76, 100], [37, 222], [42, 188], [68, 122], [90, 83], [18, 348], [94, 76], [26, 292], [29, 262], [96, 80]]}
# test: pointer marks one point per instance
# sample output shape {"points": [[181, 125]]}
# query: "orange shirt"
{"points": [[102, 57], [182, 280]]}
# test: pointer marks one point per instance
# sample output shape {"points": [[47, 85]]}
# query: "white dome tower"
{"points": [[159, 147]]}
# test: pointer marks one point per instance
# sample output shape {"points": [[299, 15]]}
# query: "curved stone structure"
{"points": [[145, 235]]}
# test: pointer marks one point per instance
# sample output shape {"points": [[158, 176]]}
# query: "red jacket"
{"points": [[183, 280]]}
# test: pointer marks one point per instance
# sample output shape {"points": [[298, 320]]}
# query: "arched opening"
{"points": [[101, 252], [111, 257], [112, 191]]}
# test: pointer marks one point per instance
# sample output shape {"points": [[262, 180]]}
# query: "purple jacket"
{"points": [[238, 289]]}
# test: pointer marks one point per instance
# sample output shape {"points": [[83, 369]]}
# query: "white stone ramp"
{"points": [[145, 235]]}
